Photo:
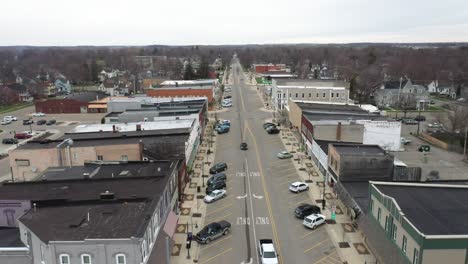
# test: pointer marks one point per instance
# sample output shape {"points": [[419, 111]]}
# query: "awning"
{"points": [[97, 106], [171, 223]]}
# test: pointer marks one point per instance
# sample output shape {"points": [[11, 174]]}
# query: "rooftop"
{"points": [[324, 144], [358, 149], [312, 83], [444, 215], [189, 82], [128, 127], [85, 96]]}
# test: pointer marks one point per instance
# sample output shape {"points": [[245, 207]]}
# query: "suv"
{"points": [[304, 210], [22, 136], [420, 118], [51, 122], [41, 122], [298, 187], [216, 178], [219, 167], [273, 130], [10, 141], [28, 122], [312, 221], [216, 186]]}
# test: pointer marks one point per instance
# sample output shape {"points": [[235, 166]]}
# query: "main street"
{"points": [[259, 204]]}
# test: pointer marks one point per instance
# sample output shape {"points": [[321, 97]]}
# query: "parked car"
{"points": [[420, 118], [297, 187], [214, 195], [268, 124], [228, 97], [9, 141], [243, 146], [284, 155], [431, 102], [312, 221], [213, 231], [28, 122], [219, 167], [11, 118], [424, 148], [51, 122], [215, 186], [41, 122], [267, 252], [223, 129], [273, 130], [6, 122], [226, 104], [224, 122], [405, 141], [409, 121], [304, 210], [37, 114], [215, 178], [22, 136]]}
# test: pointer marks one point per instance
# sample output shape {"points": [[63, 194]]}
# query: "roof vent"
{"points": [[107, 196], [159, 169]]}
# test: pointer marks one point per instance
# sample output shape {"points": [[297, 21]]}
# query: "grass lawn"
{"points": [[9, 108]]}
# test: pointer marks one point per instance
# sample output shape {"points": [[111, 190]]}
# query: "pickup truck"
{"points": [[405, 141], [213, 231], [267, 252]]}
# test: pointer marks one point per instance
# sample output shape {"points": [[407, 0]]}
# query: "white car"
{"points": [[298, 187], [6, 122], [215, 195], [38, 114], [226, 104], [224, 122], [314, 220], [11, 118]]}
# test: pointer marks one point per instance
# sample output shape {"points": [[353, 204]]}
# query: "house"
{"points": [[72, 103], [109, 87], [402, 94], [102, 219], [324, 91], [20, 92], [63, 86], [417, 222]]}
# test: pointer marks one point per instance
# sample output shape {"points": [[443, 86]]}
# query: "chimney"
{"points": [[138, 127], [338, 132]]}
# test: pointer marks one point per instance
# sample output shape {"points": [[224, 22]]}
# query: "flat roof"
{"points": [[324, 144], [359, 191], [434, 209], [358, 149], [188, 82], [159, 100], [312, 83], [331, 107], [127, 127]]}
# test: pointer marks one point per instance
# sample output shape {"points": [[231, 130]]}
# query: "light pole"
{"points": [[419, 117]]}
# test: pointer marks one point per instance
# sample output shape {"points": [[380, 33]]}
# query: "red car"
{"points": [[22, 136]]}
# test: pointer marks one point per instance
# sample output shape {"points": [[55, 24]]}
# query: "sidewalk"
{"points": [[193, 209], [348, 240]]}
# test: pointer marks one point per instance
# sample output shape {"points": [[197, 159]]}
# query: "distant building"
{"points": [[402, 93], [324, 91], [101, 219], [174, 89], [63, 86], [262, 68], [72, 103]]}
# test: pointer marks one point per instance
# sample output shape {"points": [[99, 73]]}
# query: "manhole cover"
{"points": [[343, 244]]}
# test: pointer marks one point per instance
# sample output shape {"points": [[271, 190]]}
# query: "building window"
{"points": [[297, 95], [404, 244], [310, 95], [85, 259], [337, 95], [289, 94], [120, 259], [100, 157], [332, 95], [317, 95], [323, 95], [64, 259], [284, 95], [279, 95], [379, 214], [394, 232], [302, 95], [386, 223], [416, 256], [371, 205], [124, 158]]}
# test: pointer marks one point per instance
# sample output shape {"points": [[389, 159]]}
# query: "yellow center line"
{"points": [[216, 243], [316, 245], [215, 256], [221, 218], [217, 210]]}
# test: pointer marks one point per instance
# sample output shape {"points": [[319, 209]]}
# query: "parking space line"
{"points": [[221, 218], [309, 233], [215, 243], [334, 259], [316, 245], [217, 255], [324, 258], [219, 209]]}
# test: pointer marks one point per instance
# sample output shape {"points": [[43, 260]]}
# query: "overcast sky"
{"points": [[186, 22]]}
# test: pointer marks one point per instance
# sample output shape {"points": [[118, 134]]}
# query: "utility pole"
{"points": [[419, 118]]}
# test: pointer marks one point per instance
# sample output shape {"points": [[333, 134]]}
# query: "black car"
{"points": [[41, 122], [409, 121], [51, 122], [217, 185], [213, 231], [28, 122], [244, 146], [273, 130], [304, 210], [420, 118], [10, 141], [219, 167], [267, 125], [216, 178]]}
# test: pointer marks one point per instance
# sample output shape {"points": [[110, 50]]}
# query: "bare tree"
{"points": [[406, 102]]}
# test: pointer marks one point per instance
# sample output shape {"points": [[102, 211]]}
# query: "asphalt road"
{"points": [[259, 204]]}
